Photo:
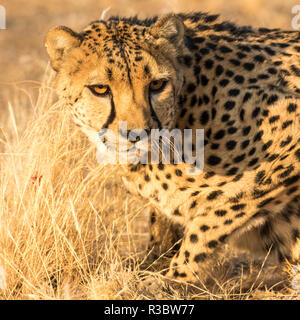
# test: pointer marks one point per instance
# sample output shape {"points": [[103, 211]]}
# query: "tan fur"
{"points": [[241, 85]]}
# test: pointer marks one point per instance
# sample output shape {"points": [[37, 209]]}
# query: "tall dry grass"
{"points": [[68, 230], [63, 222]]}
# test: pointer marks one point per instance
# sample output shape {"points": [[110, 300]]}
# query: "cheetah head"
{"points": [[119, 71]]}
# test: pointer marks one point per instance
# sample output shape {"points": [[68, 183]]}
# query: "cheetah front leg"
{"points": [[204, 237], [278, 237], [165, 237]]}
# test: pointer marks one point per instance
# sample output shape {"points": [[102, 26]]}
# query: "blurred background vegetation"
{"points": [[23, 57]]}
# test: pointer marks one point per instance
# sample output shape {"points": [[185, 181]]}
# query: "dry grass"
{"points": [[63, 221], [68, 230]]}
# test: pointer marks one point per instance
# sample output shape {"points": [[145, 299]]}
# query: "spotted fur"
{"points": [[240, 84]]}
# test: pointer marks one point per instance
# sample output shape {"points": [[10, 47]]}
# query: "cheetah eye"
{"points": [[99, 90], [157, 86]]}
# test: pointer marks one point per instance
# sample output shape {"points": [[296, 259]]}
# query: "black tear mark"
{"points": [[112, 114]]}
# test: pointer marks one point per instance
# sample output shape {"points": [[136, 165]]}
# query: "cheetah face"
{"points": [[119, 73]]}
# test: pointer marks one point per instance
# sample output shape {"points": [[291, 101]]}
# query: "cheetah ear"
{"points": [[169, 26], [60, 40]]}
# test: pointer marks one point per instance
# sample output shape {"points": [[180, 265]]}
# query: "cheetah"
{"points": [[196, 71]]}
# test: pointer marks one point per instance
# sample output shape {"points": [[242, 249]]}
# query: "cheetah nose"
{"points": [[135, 135], [139, 135]]}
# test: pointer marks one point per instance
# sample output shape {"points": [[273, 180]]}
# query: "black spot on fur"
{"points": [[212, 244], [200, 257], [193, 238], [220, 213], [214, 195], [213, 160]]}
